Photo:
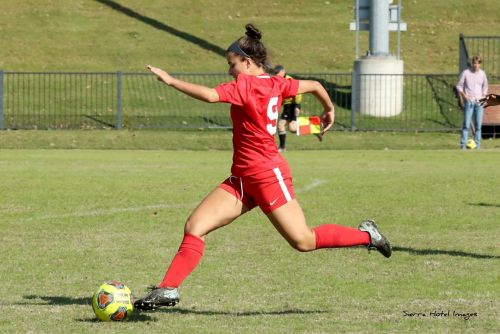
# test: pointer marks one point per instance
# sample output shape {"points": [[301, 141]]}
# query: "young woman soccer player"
{"points": [[259, 175]]}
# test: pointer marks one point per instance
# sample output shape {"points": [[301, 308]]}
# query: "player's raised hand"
{"points": [[161, 74], [327, 119]]}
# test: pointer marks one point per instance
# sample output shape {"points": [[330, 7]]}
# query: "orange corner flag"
{"points": [[308, 125]]}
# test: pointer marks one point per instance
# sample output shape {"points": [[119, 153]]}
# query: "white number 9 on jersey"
{"points": [[272, 115]]}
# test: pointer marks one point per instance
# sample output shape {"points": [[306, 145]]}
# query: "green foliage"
{"points": [[73, 219], [187, 36]]}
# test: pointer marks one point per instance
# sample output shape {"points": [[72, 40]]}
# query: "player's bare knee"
{"points": [[303, 245], [281, 125], [191, 227]]}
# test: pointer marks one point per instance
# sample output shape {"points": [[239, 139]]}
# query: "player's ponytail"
{"points": [[250, 46]]}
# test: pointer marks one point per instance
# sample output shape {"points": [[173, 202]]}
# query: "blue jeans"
{"points": [[472, 111]]}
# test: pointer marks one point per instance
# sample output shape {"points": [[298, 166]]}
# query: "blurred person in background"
{"points": [[472, 87], [291, 110]]}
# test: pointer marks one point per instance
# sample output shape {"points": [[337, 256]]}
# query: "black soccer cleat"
{"points": [[377, 240], [158, 297]]}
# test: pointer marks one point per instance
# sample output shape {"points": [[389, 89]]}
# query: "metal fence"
{"points": [[487, 47], [138, 101]]}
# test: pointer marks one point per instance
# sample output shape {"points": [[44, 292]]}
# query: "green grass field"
{"points": [[187, 36], [203, 140], [73, 219]]}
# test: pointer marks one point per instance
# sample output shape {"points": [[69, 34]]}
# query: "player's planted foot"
{"points": [[158, 297], [377, 239]]}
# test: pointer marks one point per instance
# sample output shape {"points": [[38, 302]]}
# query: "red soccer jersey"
{"points": [[255, 103]]}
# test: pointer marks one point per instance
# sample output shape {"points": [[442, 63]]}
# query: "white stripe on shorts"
{"points": [[277, 172]]}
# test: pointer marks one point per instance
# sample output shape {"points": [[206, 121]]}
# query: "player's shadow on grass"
{"points": [[180, 310], [134, 317], [57, 300], [164, 27], [63, 300], [486, 204], [426, 251]]}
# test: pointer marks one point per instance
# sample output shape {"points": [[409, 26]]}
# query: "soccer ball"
{"points": [[471, 144], [112, 301]]}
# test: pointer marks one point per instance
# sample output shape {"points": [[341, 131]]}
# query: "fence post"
{"points": [[119, 100], [1, 100], [354, 98], [463, 55]]}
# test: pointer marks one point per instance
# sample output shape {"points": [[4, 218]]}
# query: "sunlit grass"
{"points": [[72, 219]]}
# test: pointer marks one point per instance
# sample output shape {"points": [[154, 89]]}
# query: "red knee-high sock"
{"points": [[187, 258], [333, 236]]}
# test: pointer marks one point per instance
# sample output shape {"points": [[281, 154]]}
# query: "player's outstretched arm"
{"points": [[199, 92], [315, 88]]}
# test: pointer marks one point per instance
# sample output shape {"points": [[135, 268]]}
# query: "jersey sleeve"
{"points": [[233, 92]]}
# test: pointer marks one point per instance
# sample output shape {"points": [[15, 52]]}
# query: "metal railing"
{"points": [[63, 100], [487, 47]]}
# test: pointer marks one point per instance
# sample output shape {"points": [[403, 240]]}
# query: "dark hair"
{"points": [[476, 59], [278, 68], [253, 47]]}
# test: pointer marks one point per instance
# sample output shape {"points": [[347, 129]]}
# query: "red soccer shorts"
{"points": [[269, 190]]}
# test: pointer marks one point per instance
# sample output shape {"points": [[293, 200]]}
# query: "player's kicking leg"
{"points": [[289, 220], [377, 240], [158, 297]]}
